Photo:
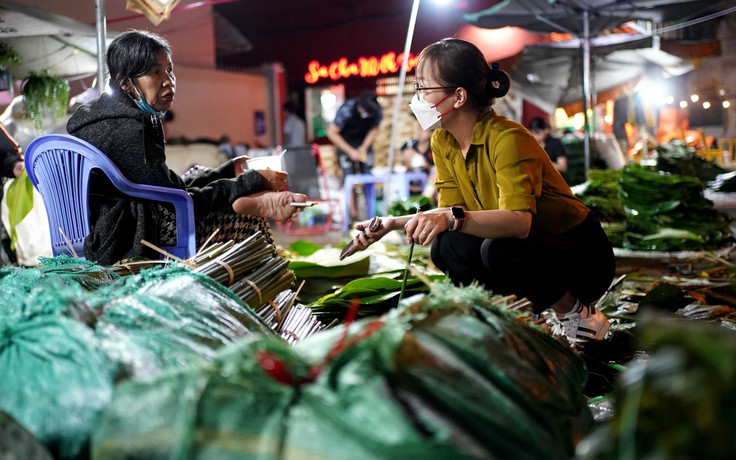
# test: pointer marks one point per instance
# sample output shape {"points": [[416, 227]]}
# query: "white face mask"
{"points": [[427, 114]]}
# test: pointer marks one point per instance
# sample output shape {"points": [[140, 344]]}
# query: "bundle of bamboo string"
{"points": [[250, 268], [300, 322], [229, 261], [265, 284], [253, 271], [292, 322]]}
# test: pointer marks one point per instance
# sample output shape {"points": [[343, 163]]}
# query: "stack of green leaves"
{"points": [[410, 206], [725, 183], [575, 151], [668, 212], [601, 195], [375, 295], [676, 158]]}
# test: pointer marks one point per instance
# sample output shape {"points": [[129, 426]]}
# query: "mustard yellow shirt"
{"points": [[505, 168]]}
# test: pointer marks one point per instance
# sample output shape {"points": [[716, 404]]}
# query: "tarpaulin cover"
{"points": [[169, 317], [59, 360], [55, 380], [449, 377], [31, 291]]}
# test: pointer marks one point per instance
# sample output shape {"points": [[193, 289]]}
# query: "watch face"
{"points": [[458, 213]]}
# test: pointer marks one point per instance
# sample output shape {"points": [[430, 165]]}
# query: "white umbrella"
{"points": [[586, 19], [45, 40], [549, 74]]}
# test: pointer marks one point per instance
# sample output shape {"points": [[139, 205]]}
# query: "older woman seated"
{"points": [[127, 126]]}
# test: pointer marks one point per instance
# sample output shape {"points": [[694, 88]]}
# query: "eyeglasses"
{"points": [[427, 88]]}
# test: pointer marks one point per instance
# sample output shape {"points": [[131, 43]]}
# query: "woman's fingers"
{"points": [[421, 229]]}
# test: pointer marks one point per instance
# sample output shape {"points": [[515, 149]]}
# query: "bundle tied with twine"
{"points": [[250, 268], [255, 273]]}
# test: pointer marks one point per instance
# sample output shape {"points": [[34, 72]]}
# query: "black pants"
{"points": [[541, 268]]}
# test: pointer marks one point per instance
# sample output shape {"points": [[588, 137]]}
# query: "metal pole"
{"points": [[101, 41], [586, 89], [397, 102]]}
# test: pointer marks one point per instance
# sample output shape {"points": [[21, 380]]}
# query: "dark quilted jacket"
{"points": [[134, 141]]}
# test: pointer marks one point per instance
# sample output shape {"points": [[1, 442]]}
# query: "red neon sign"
{"points": [[365, 67]]}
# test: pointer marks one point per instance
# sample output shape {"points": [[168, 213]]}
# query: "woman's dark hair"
{"points": [[459, 63], [133, 54], [538, 124]]}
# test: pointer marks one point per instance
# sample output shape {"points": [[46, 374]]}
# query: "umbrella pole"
{"points": [[586, 90], [397, 105], [101, 39]]}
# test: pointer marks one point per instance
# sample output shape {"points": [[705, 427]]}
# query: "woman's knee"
{"points": [[455, 249], [499, 252], [438, 252]]}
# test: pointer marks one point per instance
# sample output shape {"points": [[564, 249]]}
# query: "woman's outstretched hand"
{"points": [[369, 232], [272, 205]]}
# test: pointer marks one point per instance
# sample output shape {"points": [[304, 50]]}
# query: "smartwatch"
{"points": [[458, 218]]}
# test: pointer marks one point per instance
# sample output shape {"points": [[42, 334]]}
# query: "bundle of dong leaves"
{"points": [[447, 376], [372, 278], [660, 207]]}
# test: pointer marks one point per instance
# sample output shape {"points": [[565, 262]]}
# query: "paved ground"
{"points": [[334, 237]]}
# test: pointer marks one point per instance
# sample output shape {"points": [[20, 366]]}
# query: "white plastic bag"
{"points": [[34, 239]]}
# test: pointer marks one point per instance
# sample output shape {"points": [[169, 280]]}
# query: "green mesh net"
{"points": [[449, 377], [69, 330], [169, 317], [56, 380]]}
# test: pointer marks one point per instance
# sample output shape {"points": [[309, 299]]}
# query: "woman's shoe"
{"points": [[584, 324]]}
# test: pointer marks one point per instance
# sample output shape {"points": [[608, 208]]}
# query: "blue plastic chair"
{"points": [[59, 166]]}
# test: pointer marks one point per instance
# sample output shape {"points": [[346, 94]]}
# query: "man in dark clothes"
{"points": [[552, 145], [353, 132]]}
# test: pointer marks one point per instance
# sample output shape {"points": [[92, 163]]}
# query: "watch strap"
{"points": [[456, 224]]}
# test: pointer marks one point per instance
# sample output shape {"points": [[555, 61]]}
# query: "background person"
{"points": [[11, 163], [416, 155], [506, 217], [552, 145], [353, 133], [127, 126], [11, 166], [295, 132]]}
